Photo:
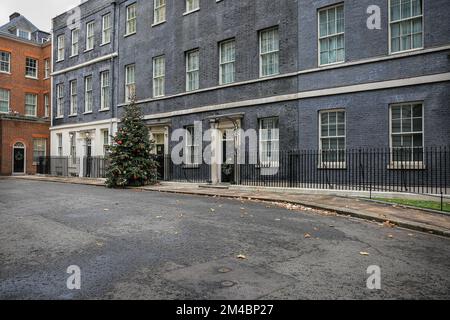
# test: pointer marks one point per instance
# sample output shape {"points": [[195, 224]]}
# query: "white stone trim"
{"points": [[310, 94], [84, 124], [85, 64]]}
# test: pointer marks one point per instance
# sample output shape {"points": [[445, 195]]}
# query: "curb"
{"points": [[339, 210]]}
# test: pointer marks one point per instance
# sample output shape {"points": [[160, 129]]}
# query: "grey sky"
{"points": [[39, 12]]}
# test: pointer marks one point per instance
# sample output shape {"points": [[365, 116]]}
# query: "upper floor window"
{"points": [[75, 46], [159, 11], [5, 62], [192, 70], [106, 28], [31, 104], [73, 97], [269, 141], [24, 34], [131, 20], [61, 47], [46, 105], [31, 68], [105, 90], [406, 25], [4, 101], [332, 136], [47, 68], [59, 100], [88, 96], [130, 83], [90, 36], [331, 35], [227, 58], [269, 52], [159, 73], [192, 5], [407, 132]]}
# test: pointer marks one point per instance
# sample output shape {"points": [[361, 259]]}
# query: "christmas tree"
{"points": [[131, 162]]}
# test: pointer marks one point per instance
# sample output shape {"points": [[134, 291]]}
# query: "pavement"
{"points": [[132, 244], [414, 219]]}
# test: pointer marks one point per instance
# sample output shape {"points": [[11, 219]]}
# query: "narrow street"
{"points": [[149, 245]]}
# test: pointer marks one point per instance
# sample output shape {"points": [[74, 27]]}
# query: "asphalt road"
{"points": [[144, 245]]}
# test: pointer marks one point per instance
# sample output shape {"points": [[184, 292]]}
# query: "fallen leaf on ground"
{"points": [[241, 256], [277, 219], [213, 210], [390, 236], [105, 209], [99, 244], [158, 217], [307, 235], [363, 253], [388, 224], [410, 234]]}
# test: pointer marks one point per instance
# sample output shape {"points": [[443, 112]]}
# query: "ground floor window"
{"points": [[192, 148], [407, 132], [268, 140], [60, 144], [39, 149], [105, 134], [332, 136]]}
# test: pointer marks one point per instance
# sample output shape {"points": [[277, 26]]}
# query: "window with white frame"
{"points": [[75, 41], [331, 35], [46, 105], [24, 34], [406, 25], [332, 135], [407, 132], [192, 148], [131, 19], [4, 100], [73, 97], [130, 83], [31, 68], [59, 100], [73, 145], [47, 68], [88, 96], [159, 11], [269, 52], [106, 28], [269, 141], [105, 134], [192, 70], [39, 149], [60, 144], [159, 72], [61, 47], [5, 62], [192, 5], [90, 36], [105, 90], [31, 104], [227, 61]]}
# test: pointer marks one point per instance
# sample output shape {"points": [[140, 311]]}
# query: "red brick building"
{"points": [[25, 66]]}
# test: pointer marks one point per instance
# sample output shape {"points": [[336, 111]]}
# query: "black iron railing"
{"points": [[95, 167], [195, 173]]}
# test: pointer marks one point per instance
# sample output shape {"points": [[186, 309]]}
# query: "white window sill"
{"points": [[269, 75], [105, 43], [5, 72], [104, 110], [4, 112], [59, 117], [73, 115], [413, 165], [129, 35], [87, 50], [87, 112], [192, 11], [59, 60], [160, 96], [158, 23], [73, 56], [331, 64], [31, 115], [31, 78], [406, 51]]}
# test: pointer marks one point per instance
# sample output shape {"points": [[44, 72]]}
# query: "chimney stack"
{"points": [[14, 15]]}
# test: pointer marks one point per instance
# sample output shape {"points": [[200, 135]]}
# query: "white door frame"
{"points": [[24, 158]]}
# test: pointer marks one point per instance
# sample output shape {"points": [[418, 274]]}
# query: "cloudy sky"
{"points": [[39, 12]]}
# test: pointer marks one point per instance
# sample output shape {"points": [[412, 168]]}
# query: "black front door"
{"points": [[88, 157], [228, 157], [19, 160]]}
